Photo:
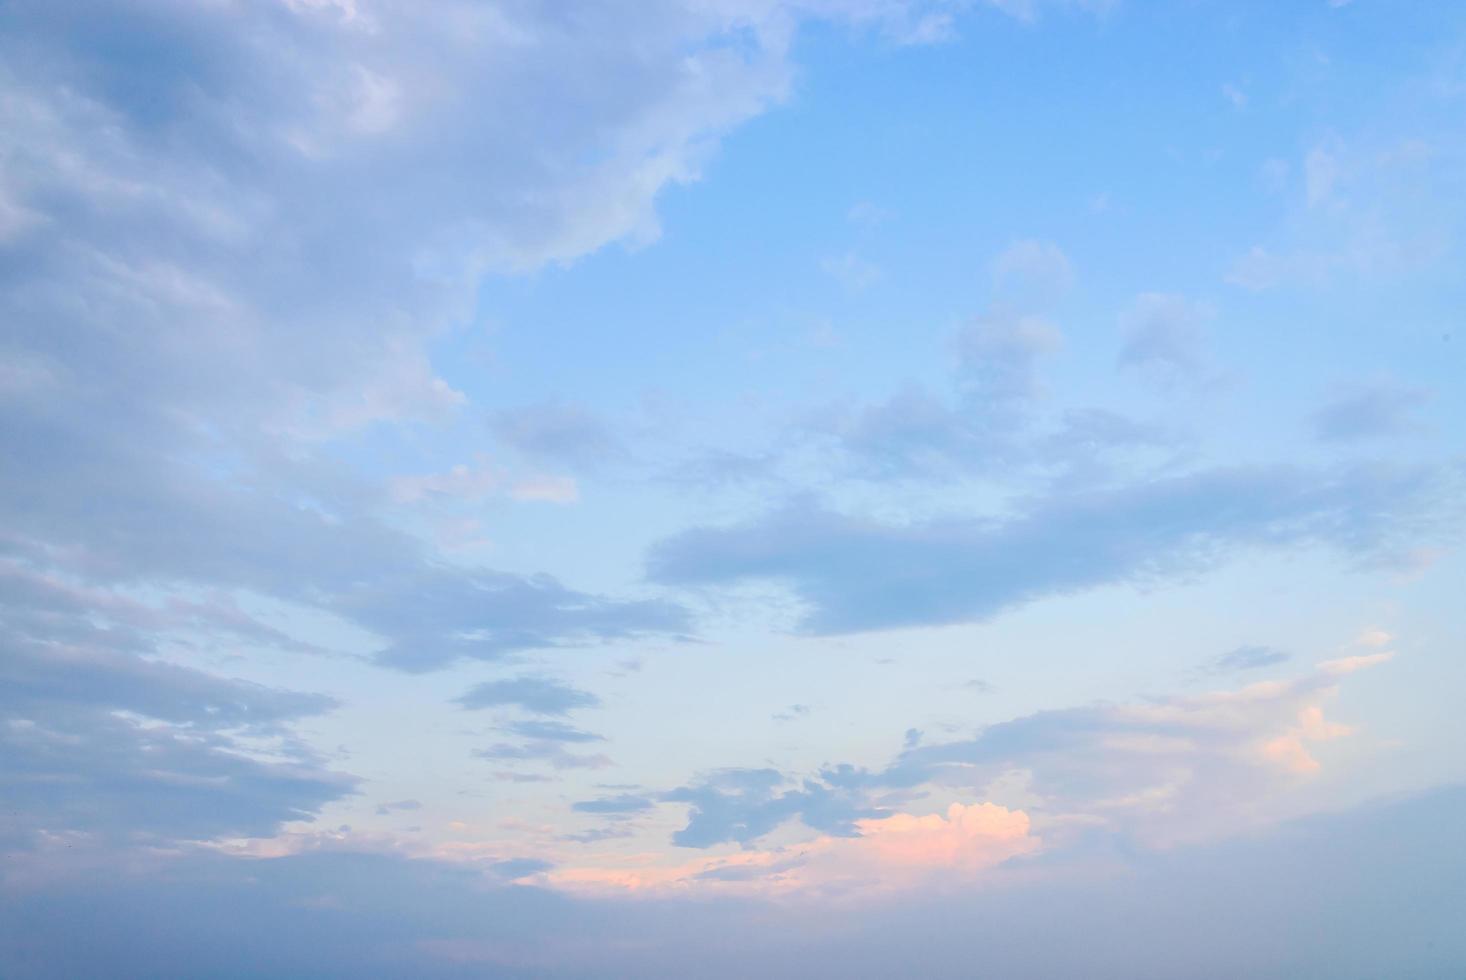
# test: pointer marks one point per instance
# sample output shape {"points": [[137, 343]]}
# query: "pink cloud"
{"points": [[900, 851]]}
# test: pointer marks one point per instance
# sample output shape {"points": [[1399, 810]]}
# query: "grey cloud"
{"points": [[548, 751], [210, 283], [520, 867], [170, 526], [522, 777], [621, 803], [858, 574], [97, 740], [1369, 892], [437, 616], [551, 731], [742, 805], [918, 434], [1163, 332], [399, 806], [540, 695], [1375, 411], [1151, 770], [990, 422], [562, 434], [1154, 771], [998, 356], [598, 834], [1247, 658]]}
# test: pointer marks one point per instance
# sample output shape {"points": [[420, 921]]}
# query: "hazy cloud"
{"points": [[1374, 411], [540, 695]]}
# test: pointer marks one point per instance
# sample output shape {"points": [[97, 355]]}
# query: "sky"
{"points": [[711, 488]]}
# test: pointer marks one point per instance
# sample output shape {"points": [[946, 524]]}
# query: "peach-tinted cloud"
{"points": [[1348, 665], [971, 836], [1289, 750], [900, 851]]}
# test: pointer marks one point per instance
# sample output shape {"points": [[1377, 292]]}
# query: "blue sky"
{"points": [[541, 489]]}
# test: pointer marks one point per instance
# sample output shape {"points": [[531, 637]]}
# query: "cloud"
{"points": [[1155, 773], [551, 731], [557, 433], [918, 434], [998, 356], [1163, 335], [545, 740], [851, 271], [551, 751], [207, 284], [1373, 411], [855, 574], [1320, 175], [742, 805], [462, 482], [964, 839], [540, 695], [1355, 893], [400, 806], [100, 740], [897, 852], [516, 868], [440, 615], [1370, 210], [619, 804], [1246, 658], [1167, 769], [1032, 273]]}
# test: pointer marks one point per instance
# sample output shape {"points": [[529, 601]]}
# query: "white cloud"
{"points": [[1032, 272]]}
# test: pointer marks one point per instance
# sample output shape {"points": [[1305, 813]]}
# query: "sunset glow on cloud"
{"points": [[726, 488]]}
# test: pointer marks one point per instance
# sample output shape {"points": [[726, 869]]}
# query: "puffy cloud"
{"points": [[232, 230], [966, 838], [1176, 768]]}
